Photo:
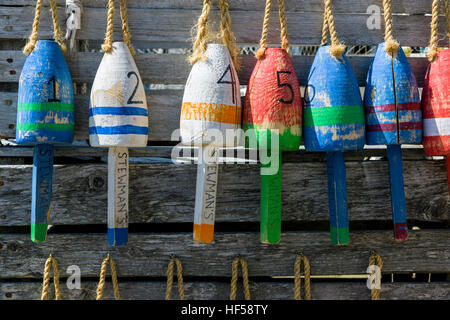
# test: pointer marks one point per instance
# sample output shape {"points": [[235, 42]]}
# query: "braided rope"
{"points": [[226, 33], [391, 44], [235, 275], [200, 45], [376, 260], [107, 44], [336, 48], [174, 260], [46, 282], [298, 280], [57, 34], [432, 52], [101, 282], [265, 30], [325, 27]]}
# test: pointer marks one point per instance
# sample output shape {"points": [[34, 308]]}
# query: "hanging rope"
{"points": [[433, 47], [57, 35], [298, 280], [390, 43], [107, 44], [101, 282], [265, 31], [234, 278], [375, 260], [226, 34], [336, 48], [46, 282], [174, 261]]}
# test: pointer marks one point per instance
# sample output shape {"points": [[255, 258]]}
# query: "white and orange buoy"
{"points": [[118, 119], [211, 109]]}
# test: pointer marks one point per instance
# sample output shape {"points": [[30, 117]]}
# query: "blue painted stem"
{"points": [[337, 197], [397, 192], [41, 195]]}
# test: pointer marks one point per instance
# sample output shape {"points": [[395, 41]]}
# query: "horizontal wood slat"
{"points": [[164, 193], [174, 68], [221, 291], [147, 255], [162, 25]]}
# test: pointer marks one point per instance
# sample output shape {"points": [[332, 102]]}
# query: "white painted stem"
{"points": [[118, 195], [205, 197]]}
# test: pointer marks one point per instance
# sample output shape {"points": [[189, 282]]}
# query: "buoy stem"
{"points": [[41, 194]]}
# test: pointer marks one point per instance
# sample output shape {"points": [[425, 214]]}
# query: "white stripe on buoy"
{"points": [[436, 127]]}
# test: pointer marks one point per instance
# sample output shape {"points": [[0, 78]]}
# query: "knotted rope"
{"points": [[375, 260], [228, 39], [107, 44], [265, 31], [391, 44], [234, 278], [336, 48], [433, 47], [57, 35], [174, 261], [298, 280], [45, 284], [101, 282]]}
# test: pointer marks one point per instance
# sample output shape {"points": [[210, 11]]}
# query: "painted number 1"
{"points": [[280, 85], [53, 81], [130, 99], [232, 82]]}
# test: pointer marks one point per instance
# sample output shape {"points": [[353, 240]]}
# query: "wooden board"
{"points": [[170, 201], [153, 25], [221, 291], [147, 254]]}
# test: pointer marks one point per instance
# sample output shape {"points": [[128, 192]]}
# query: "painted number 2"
{"points": [[232, 82], [130, 99], [53, 81], [280, 85]]}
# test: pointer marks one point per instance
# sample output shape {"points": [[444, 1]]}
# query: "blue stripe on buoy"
{"points": [[125, 111], [45, 116], [126, 129], [117, 236], [320, 140], [44, 136]]}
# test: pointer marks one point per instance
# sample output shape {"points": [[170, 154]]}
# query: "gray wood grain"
{"points": [[174, 69], [140, 290], [147, 255], [165, 25], [345, 6], [164, 193]]}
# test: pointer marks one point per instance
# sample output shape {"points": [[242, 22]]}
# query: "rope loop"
{"points": [[433, 47], [174, 261], [375, 260], [234, 278], [107, 44], [390, 43], [101, 282], [46, 282], [260, 53], [336, 48], [200, 44], [57, 34], [298, 280]]}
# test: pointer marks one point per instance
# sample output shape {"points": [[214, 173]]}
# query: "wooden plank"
{"points": [[221, 291], [174, 69], [346, 6], [154, 25], [148, 254], [170, 199]]}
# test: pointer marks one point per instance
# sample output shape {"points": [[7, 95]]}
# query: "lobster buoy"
{"points": [[211, 115], [393, 115], [333, 121], [272, 120], [45, 117], [436, 97], [118, 119]]}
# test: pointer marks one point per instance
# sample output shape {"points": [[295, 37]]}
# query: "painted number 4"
{"points": [[280, 85], [232, 82]]}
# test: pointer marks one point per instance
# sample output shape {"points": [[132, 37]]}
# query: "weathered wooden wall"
{"points": [[162, 192]]}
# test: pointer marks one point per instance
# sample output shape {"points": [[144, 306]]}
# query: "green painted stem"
{"points": [[271, 205]]}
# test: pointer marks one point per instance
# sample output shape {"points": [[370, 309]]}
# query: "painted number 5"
{"points": [[280, 85]]}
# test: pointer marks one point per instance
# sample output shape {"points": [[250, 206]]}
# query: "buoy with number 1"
{"points": [[211, 113], [45, 115], [118, 119], [273, 119], [436, 94]]}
